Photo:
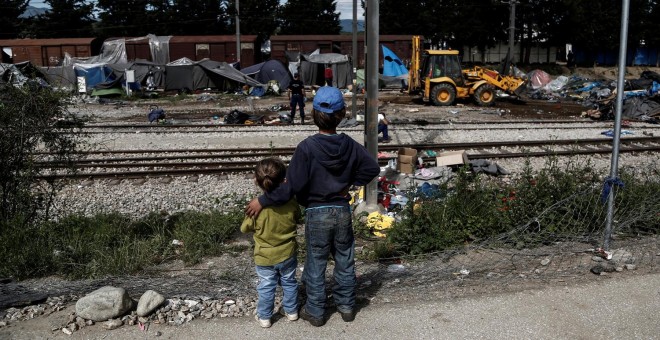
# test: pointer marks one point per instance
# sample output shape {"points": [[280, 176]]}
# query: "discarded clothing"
{"points": [[379, 222], [155, 114], [610, 133], [492, 168]]}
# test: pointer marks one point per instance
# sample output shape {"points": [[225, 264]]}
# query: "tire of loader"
{"points": [[485, 95], [443, 94]]}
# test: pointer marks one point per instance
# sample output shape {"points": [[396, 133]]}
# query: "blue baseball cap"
{"points": [[328, 99]]}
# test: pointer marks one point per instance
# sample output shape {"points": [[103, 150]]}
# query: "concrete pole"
{"points": [[355, 60], [371, 115], [610, 182], [512, 28], [238, 35]]}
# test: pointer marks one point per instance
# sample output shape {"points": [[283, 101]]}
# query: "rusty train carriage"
{"points": [[342, 44], [47, 52], [50, 52], [214, 47]]}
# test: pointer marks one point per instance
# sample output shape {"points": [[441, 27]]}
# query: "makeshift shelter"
{"points": [[62, 77], [269, 70], [93, 74], [395, 73], [312, 65], [10, 74], [184, 74]]}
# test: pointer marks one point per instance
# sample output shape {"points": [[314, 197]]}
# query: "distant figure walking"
{"points": [[570, 59], [297, 98], [328, 75]]}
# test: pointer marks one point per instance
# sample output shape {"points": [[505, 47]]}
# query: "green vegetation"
{"points": [[34, 120], [536, 208], [80, 247]]}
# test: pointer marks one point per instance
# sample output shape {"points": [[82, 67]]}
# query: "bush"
{"points": [[535, 208], [32, 122]]}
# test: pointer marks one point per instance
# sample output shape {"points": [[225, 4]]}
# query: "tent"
{"points": [[187, 74], [311, 68], [93, 74], [395, 74], [269, 70]]}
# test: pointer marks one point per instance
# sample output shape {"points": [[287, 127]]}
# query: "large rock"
{"points": [[104, 303], [149, 301]]}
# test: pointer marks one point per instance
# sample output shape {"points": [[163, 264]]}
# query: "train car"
{"points": [[213, 47], [47, 52], [401, 45]]}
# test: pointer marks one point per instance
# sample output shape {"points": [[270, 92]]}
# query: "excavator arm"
{"points": [[508, 84]]}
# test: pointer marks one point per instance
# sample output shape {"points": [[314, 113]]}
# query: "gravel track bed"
{"points": [[140, 196]]}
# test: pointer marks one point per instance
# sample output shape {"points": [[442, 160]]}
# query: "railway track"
{"points": [[181, 162], [399, 126]]}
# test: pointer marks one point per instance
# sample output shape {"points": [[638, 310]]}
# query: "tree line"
{"points": [[451, 23]]}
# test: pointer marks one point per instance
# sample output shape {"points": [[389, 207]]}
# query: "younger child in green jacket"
{"points": [[275, 245]]}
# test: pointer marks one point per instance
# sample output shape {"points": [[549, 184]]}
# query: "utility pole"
{"points": [[371, 114], [238, 36], [512, 26], [355, 60]]}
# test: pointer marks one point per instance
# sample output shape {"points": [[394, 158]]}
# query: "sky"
{"points": [[344, 7]]}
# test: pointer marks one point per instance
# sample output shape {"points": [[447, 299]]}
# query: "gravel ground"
{"points": [[137, 197]]}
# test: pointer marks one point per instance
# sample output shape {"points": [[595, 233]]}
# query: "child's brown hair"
{"points": [[270, 173]]}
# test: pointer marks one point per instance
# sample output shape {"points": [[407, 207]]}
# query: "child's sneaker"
{"points": [[263, 323], [290, 317]]}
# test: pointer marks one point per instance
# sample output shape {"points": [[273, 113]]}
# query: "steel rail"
{"points": [[191, 168]]}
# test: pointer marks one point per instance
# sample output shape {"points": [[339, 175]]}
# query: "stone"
{"points": [[630, 266], [104, 303], [149, 301], [545, 262], [112, 324], [66, 331]]}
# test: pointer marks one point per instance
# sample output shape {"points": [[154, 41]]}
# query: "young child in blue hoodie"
{"points": [[275, 247], [323, 168]]}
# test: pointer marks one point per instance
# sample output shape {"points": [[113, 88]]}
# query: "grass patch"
{"points": [[85, 247]]}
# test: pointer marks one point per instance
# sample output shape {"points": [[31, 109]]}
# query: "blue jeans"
{"points": [[299, 100], [329, 231], [284, 273], [383, 128]]}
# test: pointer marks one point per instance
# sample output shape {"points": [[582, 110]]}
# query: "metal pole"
{"points": [[512, 27], [355, 60], [371, 115], [623, 45], [238, 35]]}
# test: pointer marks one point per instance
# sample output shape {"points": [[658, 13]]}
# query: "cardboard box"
{"points": [[406, 168], [407, 160], [452, 158]]}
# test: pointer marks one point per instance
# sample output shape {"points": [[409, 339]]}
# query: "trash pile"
{"points": [[412, 177], [641, 96]]}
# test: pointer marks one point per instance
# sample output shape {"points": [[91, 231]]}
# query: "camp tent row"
{"points": [[108, 72]]}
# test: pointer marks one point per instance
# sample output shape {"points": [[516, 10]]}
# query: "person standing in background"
{"points": [[328, 75], [297, 98]]}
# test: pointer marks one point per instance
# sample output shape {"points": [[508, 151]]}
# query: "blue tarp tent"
{"points": [[392, 65], [269, 70], [94, 74], [395, 73]]}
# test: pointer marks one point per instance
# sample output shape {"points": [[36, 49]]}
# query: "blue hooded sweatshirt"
{"points": [[321, 171]]}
